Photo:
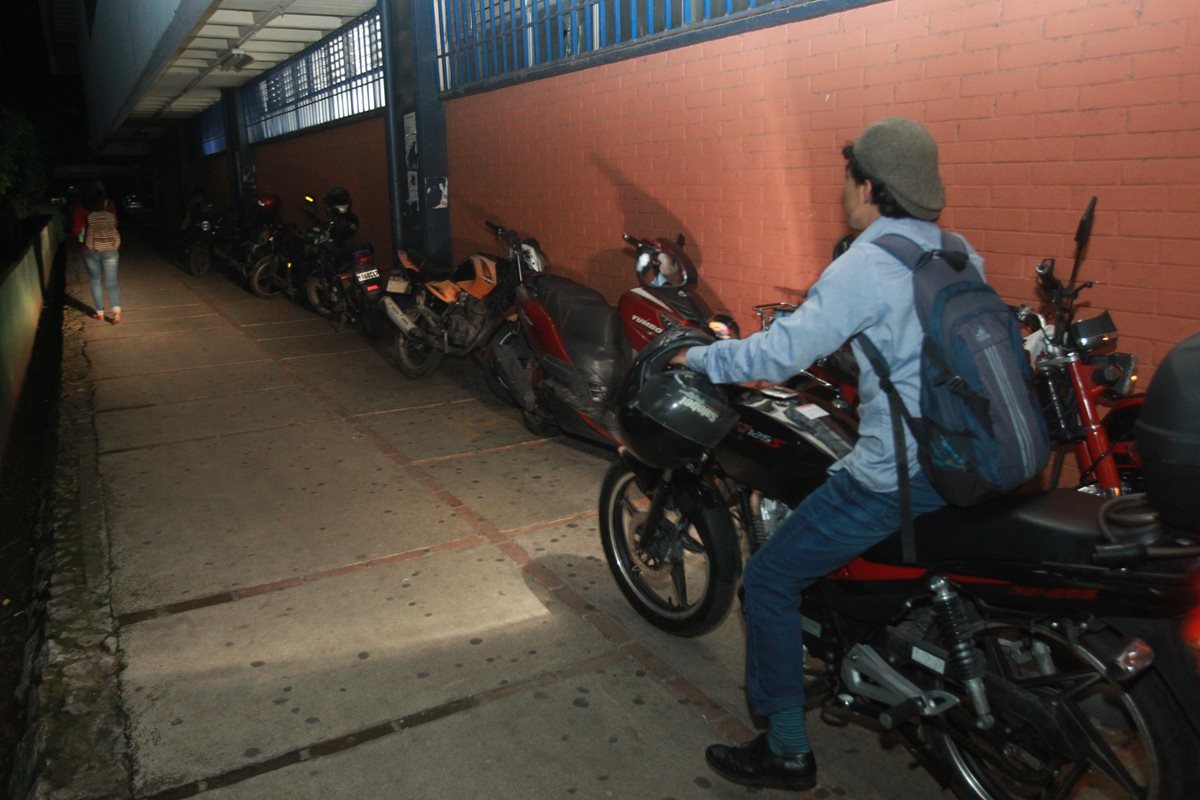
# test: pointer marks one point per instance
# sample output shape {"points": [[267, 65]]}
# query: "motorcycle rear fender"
{"points": [[1175, 661]]}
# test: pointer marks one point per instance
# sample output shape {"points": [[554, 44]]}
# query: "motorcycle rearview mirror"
{"points": [[660, 268], [1083, 234]]}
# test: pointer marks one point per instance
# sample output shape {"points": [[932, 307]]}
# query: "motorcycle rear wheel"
{"points": [[660, 578], [200, 258], [1137, 725], [416, 359], [266, 276]]}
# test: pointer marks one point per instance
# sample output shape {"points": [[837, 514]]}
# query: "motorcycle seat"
{"points": [[590, 327], [1060, 526]]}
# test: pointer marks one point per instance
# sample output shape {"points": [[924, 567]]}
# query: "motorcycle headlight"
{"points": [[1117, 371], [205, 225], [723, 326]]}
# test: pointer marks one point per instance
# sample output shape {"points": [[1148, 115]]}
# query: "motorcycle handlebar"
{"points": [[1046, 279]]}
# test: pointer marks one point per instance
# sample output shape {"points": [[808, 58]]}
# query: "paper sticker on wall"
{"points": [[437, 193]]}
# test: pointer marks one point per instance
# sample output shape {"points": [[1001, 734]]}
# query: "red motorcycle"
{"points": [[1034, 648], [567, 351], [1078, 375]]}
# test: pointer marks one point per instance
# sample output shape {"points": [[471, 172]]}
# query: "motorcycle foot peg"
{"points": [[901, 713]]}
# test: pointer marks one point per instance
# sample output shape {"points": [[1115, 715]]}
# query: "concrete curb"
{"points": [[76, 746]]}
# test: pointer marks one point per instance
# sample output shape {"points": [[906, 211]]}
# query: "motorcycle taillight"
{"points": [[362, 259]]}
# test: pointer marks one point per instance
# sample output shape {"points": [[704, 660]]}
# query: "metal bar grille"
{"points": [[478, 40], [340, 76]]}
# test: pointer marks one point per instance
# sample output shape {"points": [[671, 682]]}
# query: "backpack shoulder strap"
{"points": [[900, 416], [904, 249]]}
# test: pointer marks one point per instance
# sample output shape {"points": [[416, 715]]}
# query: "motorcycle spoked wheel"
{"points": [[200, 258], [1136, 727], [417, 358], [668, 579], [267, 277]]}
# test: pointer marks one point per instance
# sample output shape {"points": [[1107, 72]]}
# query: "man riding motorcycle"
{"points": [[892, 185]]}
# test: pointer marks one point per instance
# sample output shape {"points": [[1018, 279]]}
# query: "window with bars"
{"points": [[481, 40], [340, 76]]}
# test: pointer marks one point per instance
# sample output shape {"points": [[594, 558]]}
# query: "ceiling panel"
{"points": [[269, 31]]}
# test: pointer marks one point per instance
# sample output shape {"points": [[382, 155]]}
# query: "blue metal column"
{"points": [[416, 128], [242, 183]]}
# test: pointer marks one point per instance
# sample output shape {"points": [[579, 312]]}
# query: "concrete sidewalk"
{"points": [[330, 581]]}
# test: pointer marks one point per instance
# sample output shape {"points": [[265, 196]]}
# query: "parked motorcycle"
{"points": [[440, 308], [562, 360], [1079, 372], [201, 235], [277, 270], [1033, 648]]}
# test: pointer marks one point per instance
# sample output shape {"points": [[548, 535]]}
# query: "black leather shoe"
{"points": [[756, 764]]}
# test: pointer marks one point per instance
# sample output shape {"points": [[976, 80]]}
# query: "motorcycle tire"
{"points": [[1137, 725], [661, 585], [373, 323], [266, 276], [539, 425], [488, 363], [200, 258], [416, 359], [316, 292]]}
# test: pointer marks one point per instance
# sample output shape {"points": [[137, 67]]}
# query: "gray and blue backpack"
{"points": [[981, 431]]}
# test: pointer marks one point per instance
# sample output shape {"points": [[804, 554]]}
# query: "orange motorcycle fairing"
{"points": [[478, 281]]}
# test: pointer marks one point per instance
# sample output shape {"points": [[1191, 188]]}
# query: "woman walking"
{"points": [[95, 224]]}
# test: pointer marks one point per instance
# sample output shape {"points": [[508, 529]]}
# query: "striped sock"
{"points": [[788, 735]]}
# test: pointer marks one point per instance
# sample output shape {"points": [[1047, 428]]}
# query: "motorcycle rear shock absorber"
{"points": [[965, 664]]}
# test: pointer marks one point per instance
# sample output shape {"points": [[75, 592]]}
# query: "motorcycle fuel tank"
{"points": [[784, 442]]}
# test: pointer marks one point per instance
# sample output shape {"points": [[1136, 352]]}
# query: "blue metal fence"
{"points": [[340, 76], [479, 40]]}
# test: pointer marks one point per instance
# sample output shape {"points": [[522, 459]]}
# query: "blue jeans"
{"points": [[835, 523], [103, 267]]}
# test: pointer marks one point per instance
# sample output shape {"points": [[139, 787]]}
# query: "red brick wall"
{"points": [[353, 155], [1037, 105]]}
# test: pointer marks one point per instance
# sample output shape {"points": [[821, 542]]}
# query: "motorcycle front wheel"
{"points": [[200, 258], [1138, 738], [267, 278], [319, 295], [416, 358], [668, 576]]}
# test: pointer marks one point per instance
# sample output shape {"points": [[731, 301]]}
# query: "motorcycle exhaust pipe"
{"points": [[398, 317]]}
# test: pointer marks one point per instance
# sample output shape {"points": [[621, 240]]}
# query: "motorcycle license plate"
{"points": [[366, 275], [397, 284]]}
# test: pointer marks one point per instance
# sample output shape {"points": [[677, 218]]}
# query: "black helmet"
{"points": [[1168, 437], [343, 225], [337, 201], [668, 419]]}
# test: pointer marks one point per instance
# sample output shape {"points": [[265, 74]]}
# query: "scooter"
{"points": [[567, 351], [1035, 646]]}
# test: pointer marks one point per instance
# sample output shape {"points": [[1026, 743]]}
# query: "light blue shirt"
{"points": [[864, 290]]}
